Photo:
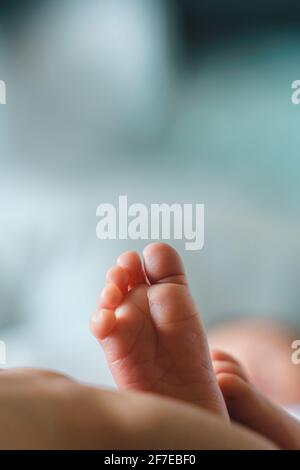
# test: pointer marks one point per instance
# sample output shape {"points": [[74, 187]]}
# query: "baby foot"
{"points": [[150, 330], [247, 406]]}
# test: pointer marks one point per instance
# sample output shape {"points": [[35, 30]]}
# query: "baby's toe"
{"points": [[118, 276], [163, 264], [131, 263], [224, 363], [103, 323], [248, 407], [111, 296], [233, 381]]}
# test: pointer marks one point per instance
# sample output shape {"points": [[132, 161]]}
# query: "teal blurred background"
{"points": [[178, 101]]}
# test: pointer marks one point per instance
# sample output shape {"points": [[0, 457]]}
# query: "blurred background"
{"points": [[183, 101]]}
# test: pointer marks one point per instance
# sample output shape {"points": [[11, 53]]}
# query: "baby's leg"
{"points": [[151, 331], [153, 422], [249, 407]]}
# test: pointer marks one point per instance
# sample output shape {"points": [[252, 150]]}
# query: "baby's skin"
{"points": [[151, 331], [154, 341], [247, 406]]}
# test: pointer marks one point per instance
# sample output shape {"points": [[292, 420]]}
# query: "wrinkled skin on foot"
{"points": [[151, 331]]}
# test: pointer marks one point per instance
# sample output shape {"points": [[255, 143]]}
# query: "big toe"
{"points": [[180, 328], [170, 300], [163, 264]]}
